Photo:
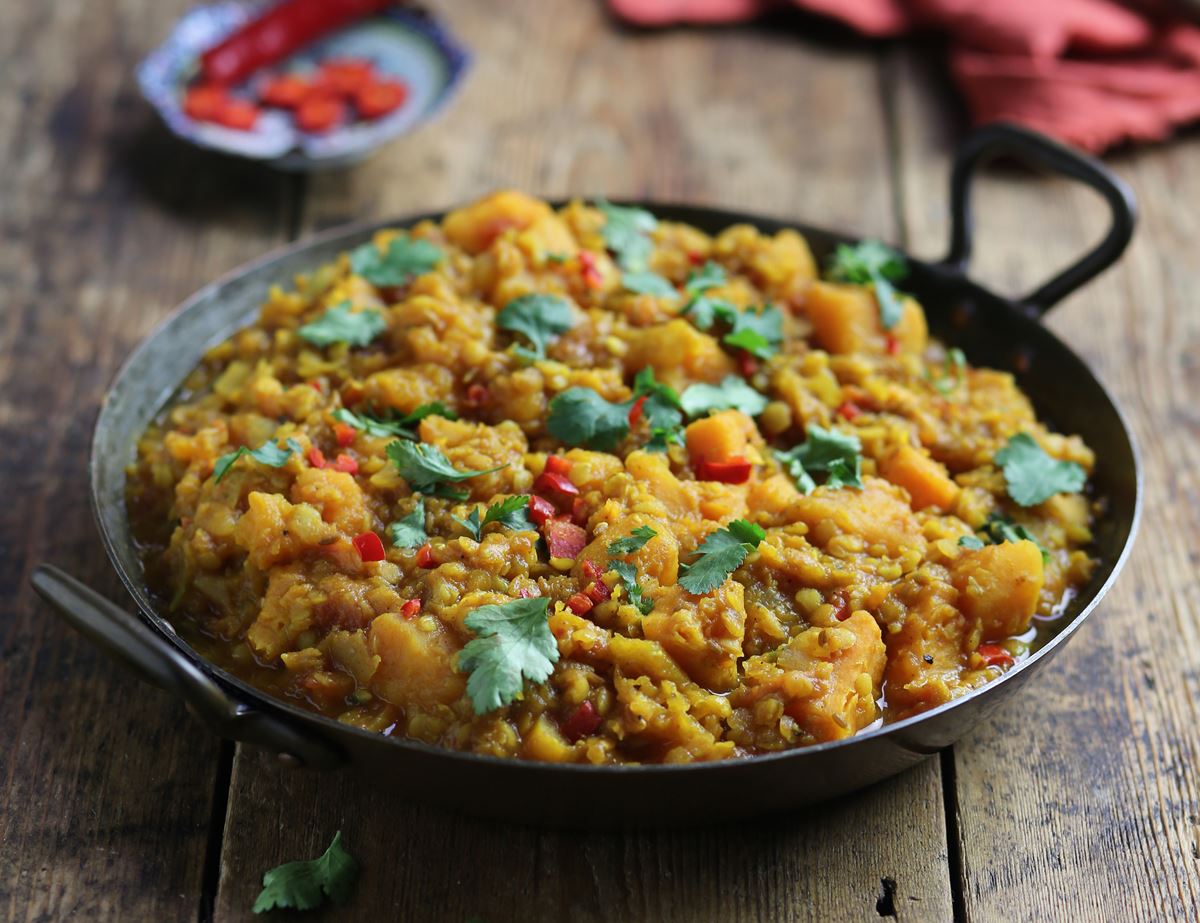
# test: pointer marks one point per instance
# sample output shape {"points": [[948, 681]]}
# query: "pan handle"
{"points": [[134, 644], [1029, 147]]}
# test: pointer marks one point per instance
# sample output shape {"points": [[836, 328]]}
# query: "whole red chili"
{"points": [[369, 546]]}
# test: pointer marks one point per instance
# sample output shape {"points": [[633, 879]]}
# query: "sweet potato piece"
{"points": [[927, 655], [719, 437], [287, 611], [926, 480], [338, 497], [877, 513], [475, 226], [845, 319], [654, 473], [678, 353], [704, 635], [274, 531], [406, 389], [416, 666], [773, 495], [658, 558], [1000, 586]]}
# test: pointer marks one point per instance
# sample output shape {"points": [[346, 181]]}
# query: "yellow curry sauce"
{"points": [[797, 444]]}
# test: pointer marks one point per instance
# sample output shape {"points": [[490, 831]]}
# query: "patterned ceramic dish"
{"points": [[406, 46]]}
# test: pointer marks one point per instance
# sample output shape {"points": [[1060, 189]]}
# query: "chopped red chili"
{"points": [[346, 463], [734, 471], [425, 556], [696, 258], [635, 412], [592, 570], [204, 102], [563, 539], [411, 608], [344, 433], [284, 92], [551, 482], [369, 546], [583, 721], [598, 591], [747, 364], [238, 114], [478, 395], [345, 76], [380, 97], [848, 410], [589, 271], [316, 457], [893, 345], [842, 610], [540, 509], [994, 655], [318, 114], [580, 603], [558, 464]]}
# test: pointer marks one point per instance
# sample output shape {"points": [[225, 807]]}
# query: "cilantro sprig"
{"points": [[404, 258], [580, 416], [872, 262], [626, 233], [645, 282], [427, 470], [626, 570], [634, 541], [392, 424], [731, 394], [513, 643], [304, 885], [269, 453], [998, 529], [537, 318], [409, 531], [720, 555], [1032, 475], [341, 325], [510, 513], [824, 451]]}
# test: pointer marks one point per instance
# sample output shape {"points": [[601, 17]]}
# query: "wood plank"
{"points": [[1079, 801], [562, 103], [106, 786]]}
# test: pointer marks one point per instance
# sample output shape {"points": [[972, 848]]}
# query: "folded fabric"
{"points": [[1091, 72]]}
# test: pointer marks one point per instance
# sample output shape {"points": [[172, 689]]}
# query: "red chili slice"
{"points": [[580, 603], [747, 364], [238, 114], [551, 482], [563, 539], [540, 509], [369, 546], [842, 612], [478, 395], [379, 97], [589, 271], [598, 591], [319, 114], [346, 463], [848, 410], [345, 76], [592, 570], [696, 258], [411, 608], [425, 556], [583, 721], [286, 91], [734, 471], [316, 457], [204, 102], [635, 412], [994, 655], [558, 465], [892, 344], [344, 433]]}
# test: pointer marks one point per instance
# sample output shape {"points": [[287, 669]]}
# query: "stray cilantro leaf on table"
{"points": [[1032, 475], [635, 541], [513, 643], [427, 470], [269, 453], [304, 885], [581, 417], [647, 283], [720, 555], [824, 451], [626, 233], [537, 318], [510, 513], [731, 394], [393, 425], [409, 532], [877, 264], [341, 325], [403, 259]]}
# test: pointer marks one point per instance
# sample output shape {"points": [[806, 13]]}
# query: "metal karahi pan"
{"points": [[991, 330]]}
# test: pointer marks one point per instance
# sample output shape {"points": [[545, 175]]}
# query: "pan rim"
{"points": [[329, 729]]}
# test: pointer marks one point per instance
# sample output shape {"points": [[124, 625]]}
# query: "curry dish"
{"points": [[586, 486]]}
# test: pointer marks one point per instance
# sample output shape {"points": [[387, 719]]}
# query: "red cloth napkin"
{"points": [[1091, 72]]}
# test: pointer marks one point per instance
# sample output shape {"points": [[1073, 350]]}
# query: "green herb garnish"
{"points": [[626, 233], [537, 318], [710, 275], [513, 644], [427, 470], [872, 262], [759, 333], [635, 541], [509, 513], [1032, 475], [269, 453], [837, 455], [304, 885], [719, 556], [403, 259], [998, 529], [970, 541], [341, 325], [581, 417], [647, 283], [628, 574], [409, 532], [393, 425], [731, 394]]}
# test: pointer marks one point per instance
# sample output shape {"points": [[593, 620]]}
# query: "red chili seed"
{"points": [[580, 604], [583, 721], [346, 463], [316, 457], [369, 546]]}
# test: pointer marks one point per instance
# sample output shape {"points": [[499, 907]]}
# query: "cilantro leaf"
{"points": [[1032, 475], [538, 318], [760, 333], [644, 383], [625, 234], [710, 275], [403, 259], [628, 574], [837, 455], [392, 425], [647, 283], [704, 311], [663, 437], [510, 513], [635, 541], [731, 394], [720, 555], [970, 541], [341, 325], [426, 468], [875, 263], [268, 453], [660, 409], [409, 531], [998, 529], [581, 417], [513, 643], [304, 885]]}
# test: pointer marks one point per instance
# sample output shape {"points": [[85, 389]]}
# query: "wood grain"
{"points": [[106, 786], [677, 125], [1080, 802]]}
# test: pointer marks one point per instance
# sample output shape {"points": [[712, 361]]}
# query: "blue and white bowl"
{"points": [[404, 46]]}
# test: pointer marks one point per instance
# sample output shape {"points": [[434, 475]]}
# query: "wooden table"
{"points": [[1077, 803]]}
